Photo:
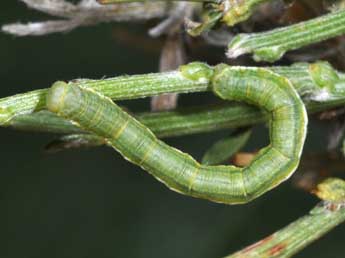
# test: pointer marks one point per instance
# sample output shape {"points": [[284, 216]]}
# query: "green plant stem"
{"points": [[117, 88], [270, 46], [20, 111], [182, 121], [299, 234]]}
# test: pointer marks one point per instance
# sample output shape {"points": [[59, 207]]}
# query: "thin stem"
{"points": [[299, 234], [183, 121], [319, 93], [270, 46], [85, 13], [118, 88]]}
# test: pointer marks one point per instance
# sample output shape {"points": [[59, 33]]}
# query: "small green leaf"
{"points": [[225, 148]]}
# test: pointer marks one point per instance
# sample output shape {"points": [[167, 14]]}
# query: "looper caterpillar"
{"points": [[179, 171]]}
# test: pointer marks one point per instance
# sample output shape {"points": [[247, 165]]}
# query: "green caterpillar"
{"points": [[179, 171]]}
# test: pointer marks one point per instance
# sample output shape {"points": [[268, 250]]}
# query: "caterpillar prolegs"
{"points": [[179, 171]]}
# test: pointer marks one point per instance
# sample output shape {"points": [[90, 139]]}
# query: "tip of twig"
{"points": [[234, 52], [16, 29], [29, 29]]}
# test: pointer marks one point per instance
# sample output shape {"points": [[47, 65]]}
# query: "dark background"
{"points": [[93, 203]]}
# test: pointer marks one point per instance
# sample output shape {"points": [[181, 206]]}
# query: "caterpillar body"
{"points": [[179, 171]]}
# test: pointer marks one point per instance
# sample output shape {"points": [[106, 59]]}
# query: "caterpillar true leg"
{"points": [[179, 171]]}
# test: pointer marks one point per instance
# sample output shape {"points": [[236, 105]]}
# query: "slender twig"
{"points": [[182, 121], [271, 45], [299, 234], [122, 87], [85, 13], [319, 93], [19, 111], [178, 13]]}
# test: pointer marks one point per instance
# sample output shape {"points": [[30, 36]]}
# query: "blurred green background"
{"points": [[93, 203]]}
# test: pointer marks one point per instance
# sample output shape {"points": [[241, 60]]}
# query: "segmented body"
{"points": [[178, 170]]}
